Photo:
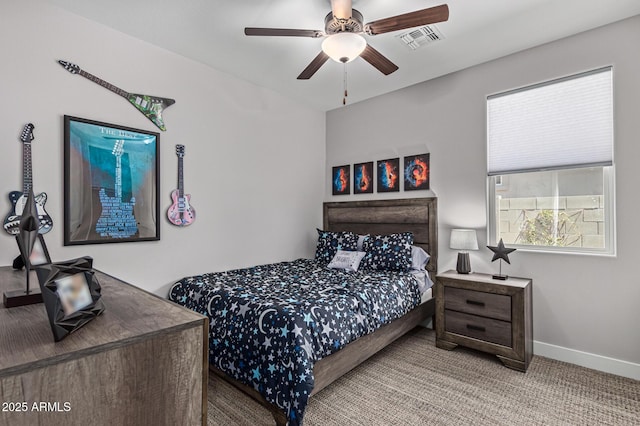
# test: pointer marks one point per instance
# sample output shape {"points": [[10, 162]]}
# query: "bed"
{"points": [[311, 325]]}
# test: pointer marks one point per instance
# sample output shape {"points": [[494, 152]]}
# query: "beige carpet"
{"points": [[411, 382]]}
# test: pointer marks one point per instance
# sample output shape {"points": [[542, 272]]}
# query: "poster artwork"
{"points": [[416, 172], [111, 183]]}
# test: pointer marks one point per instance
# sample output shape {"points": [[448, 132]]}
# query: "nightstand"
{"points": [[492, 316]]}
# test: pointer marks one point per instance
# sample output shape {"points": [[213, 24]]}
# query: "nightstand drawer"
{"points": [[487, 329], [488, 305]]}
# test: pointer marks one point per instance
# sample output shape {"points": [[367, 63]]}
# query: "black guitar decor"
{"points": [[19, 199], [150, 106]]}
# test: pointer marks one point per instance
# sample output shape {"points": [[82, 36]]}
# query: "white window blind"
{"points": [[560, 124]]}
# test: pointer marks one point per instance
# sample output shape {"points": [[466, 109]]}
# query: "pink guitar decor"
{"points": [[181, 212]]}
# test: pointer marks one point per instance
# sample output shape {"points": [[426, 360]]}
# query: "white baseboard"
{"points": [[585, 359]]}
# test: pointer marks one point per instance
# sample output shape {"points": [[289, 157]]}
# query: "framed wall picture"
{"points": [[388, 175], [340, 177], [111, 183], [363, 178], [416, 172], [71, 294]]}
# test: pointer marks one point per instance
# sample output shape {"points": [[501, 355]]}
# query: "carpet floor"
{"points": [[411, 382]]}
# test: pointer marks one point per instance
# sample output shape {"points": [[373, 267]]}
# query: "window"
{"points": [[550, 165]]}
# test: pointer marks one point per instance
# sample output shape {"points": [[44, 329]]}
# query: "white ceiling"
{"points": [[211, 32]]}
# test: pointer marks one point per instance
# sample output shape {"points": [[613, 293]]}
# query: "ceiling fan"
{"points": [[343, 27]]}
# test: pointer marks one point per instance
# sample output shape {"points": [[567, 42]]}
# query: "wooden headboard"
{"points": [[416, 215]]}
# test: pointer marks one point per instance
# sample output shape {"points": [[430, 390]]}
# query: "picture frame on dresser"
{"points": [[111, 183], [71, 294], [29, 258], [39, 254]]}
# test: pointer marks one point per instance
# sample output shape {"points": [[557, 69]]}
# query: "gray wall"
{"points": [[583, 303], [245, 146]]}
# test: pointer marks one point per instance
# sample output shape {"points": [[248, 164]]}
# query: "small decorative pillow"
{"points": [[419, 258], [347, 260], [361, 239], [388, 252], [330, 242]]}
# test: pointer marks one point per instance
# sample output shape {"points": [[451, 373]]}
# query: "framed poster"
{"points": [[363, 178], [416, 172], [111, 183], [388, 180], [340, 180]]}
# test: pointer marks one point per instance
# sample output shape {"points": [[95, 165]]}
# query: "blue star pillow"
{"points": [[387, 252], [330, 242]]}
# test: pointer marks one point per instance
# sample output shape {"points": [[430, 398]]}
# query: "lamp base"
{"points": [[500, 277], [464, 264]]}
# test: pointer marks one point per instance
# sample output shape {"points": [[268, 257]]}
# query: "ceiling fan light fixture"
{"points": [[344, 47]]}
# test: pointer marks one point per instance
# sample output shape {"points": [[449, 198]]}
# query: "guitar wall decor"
{"points": [[150, 106], [116, 219], [19, 199], [181, 212]]}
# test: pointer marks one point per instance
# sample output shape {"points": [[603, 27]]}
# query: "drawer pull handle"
{"points": [[474, 302], [475, 327]]}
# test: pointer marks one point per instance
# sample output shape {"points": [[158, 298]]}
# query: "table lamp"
{"points": [[463, 239]]}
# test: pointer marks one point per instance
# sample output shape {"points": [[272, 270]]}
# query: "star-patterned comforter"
{"points": [[269, 324]]}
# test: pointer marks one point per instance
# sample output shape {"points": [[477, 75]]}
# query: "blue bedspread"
{"points": [[269, 324]]}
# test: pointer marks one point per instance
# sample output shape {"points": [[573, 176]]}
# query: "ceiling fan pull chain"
{"points": [[344, 99]]}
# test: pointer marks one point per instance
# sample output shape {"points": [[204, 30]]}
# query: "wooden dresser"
{"points": [[142, 362], [489, 315]]}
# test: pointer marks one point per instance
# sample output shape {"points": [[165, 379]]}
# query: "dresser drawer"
{"points": [[487, 329], [488, 305]]}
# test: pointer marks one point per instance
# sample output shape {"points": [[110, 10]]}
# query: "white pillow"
{"points": [[347, 260], [419, 258]]}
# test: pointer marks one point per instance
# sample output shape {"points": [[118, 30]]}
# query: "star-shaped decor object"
{"points": [[501, 252]]}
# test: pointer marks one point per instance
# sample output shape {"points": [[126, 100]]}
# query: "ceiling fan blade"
{"points": [[282, 32], [418, 18], [314, 66], [378, 60], [341, 9]]}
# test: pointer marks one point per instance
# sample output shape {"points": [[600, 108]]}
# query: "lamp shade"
{"points": [[463, 239], [344, 47]]}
